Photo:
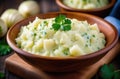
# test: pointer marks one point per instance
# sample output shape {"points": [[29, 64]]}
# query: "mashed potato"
{"points": [[38, 37], [86, 4]]}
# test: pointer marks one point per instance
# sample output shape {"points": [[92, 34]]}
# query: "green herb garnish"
{"points": [[4, 47], [62, 23], [46, 23], [65, 51], [93, 35], [109, 72]]}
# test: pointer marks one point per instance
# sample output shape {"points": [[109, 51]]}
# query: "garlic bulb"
{"points": [[3, 28], [28, 8], [11, 16]]}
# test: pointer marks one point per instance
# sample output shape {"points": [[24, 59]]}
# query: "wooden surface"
{"points": [[14, 62]]}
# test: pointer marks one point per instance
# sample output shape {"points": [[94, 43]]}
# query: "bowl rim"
{"points": [[60, 4], [82, 57]]}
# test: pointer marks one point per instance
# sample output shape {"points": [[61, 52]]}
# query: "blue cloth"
{"points": [[114, 21], [114, 16], [116, 10]]}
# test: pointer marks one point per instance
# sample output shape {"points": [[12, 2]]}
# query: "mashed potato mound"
{"points": [[38, 37]]}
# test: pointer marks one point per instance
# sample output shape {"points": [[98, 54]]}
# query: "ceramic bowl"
{"points": [[64, 64], [101, 12]]}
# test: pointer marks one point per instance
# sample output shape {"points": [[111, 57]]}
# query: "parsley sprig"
{"points": [[62, 23], [109, 72], [4, 47]]}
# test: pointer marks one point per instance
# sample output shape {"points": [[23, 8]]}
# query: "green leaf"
{"points": [[67, 21], [66, 27], [107, 71], [56, 26], [4, 47], [2, 75], [62, 23], [60, 18]]}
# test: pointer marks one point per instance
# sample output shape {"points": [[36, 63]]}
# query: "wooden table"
{"points": [[45, 6]]}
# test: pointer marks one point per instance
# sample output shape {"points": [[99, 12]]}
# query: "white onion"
{"points": [[3, 28], [11, 16], [28, 8]]}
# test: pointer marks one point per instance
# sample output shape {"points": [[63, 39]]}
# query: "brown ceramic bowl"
{"points": [[64, 64], [101, 12]]}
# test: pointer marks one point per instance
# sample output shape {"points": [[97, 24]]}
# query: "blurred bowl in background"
{"points": [[101, 12]]}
